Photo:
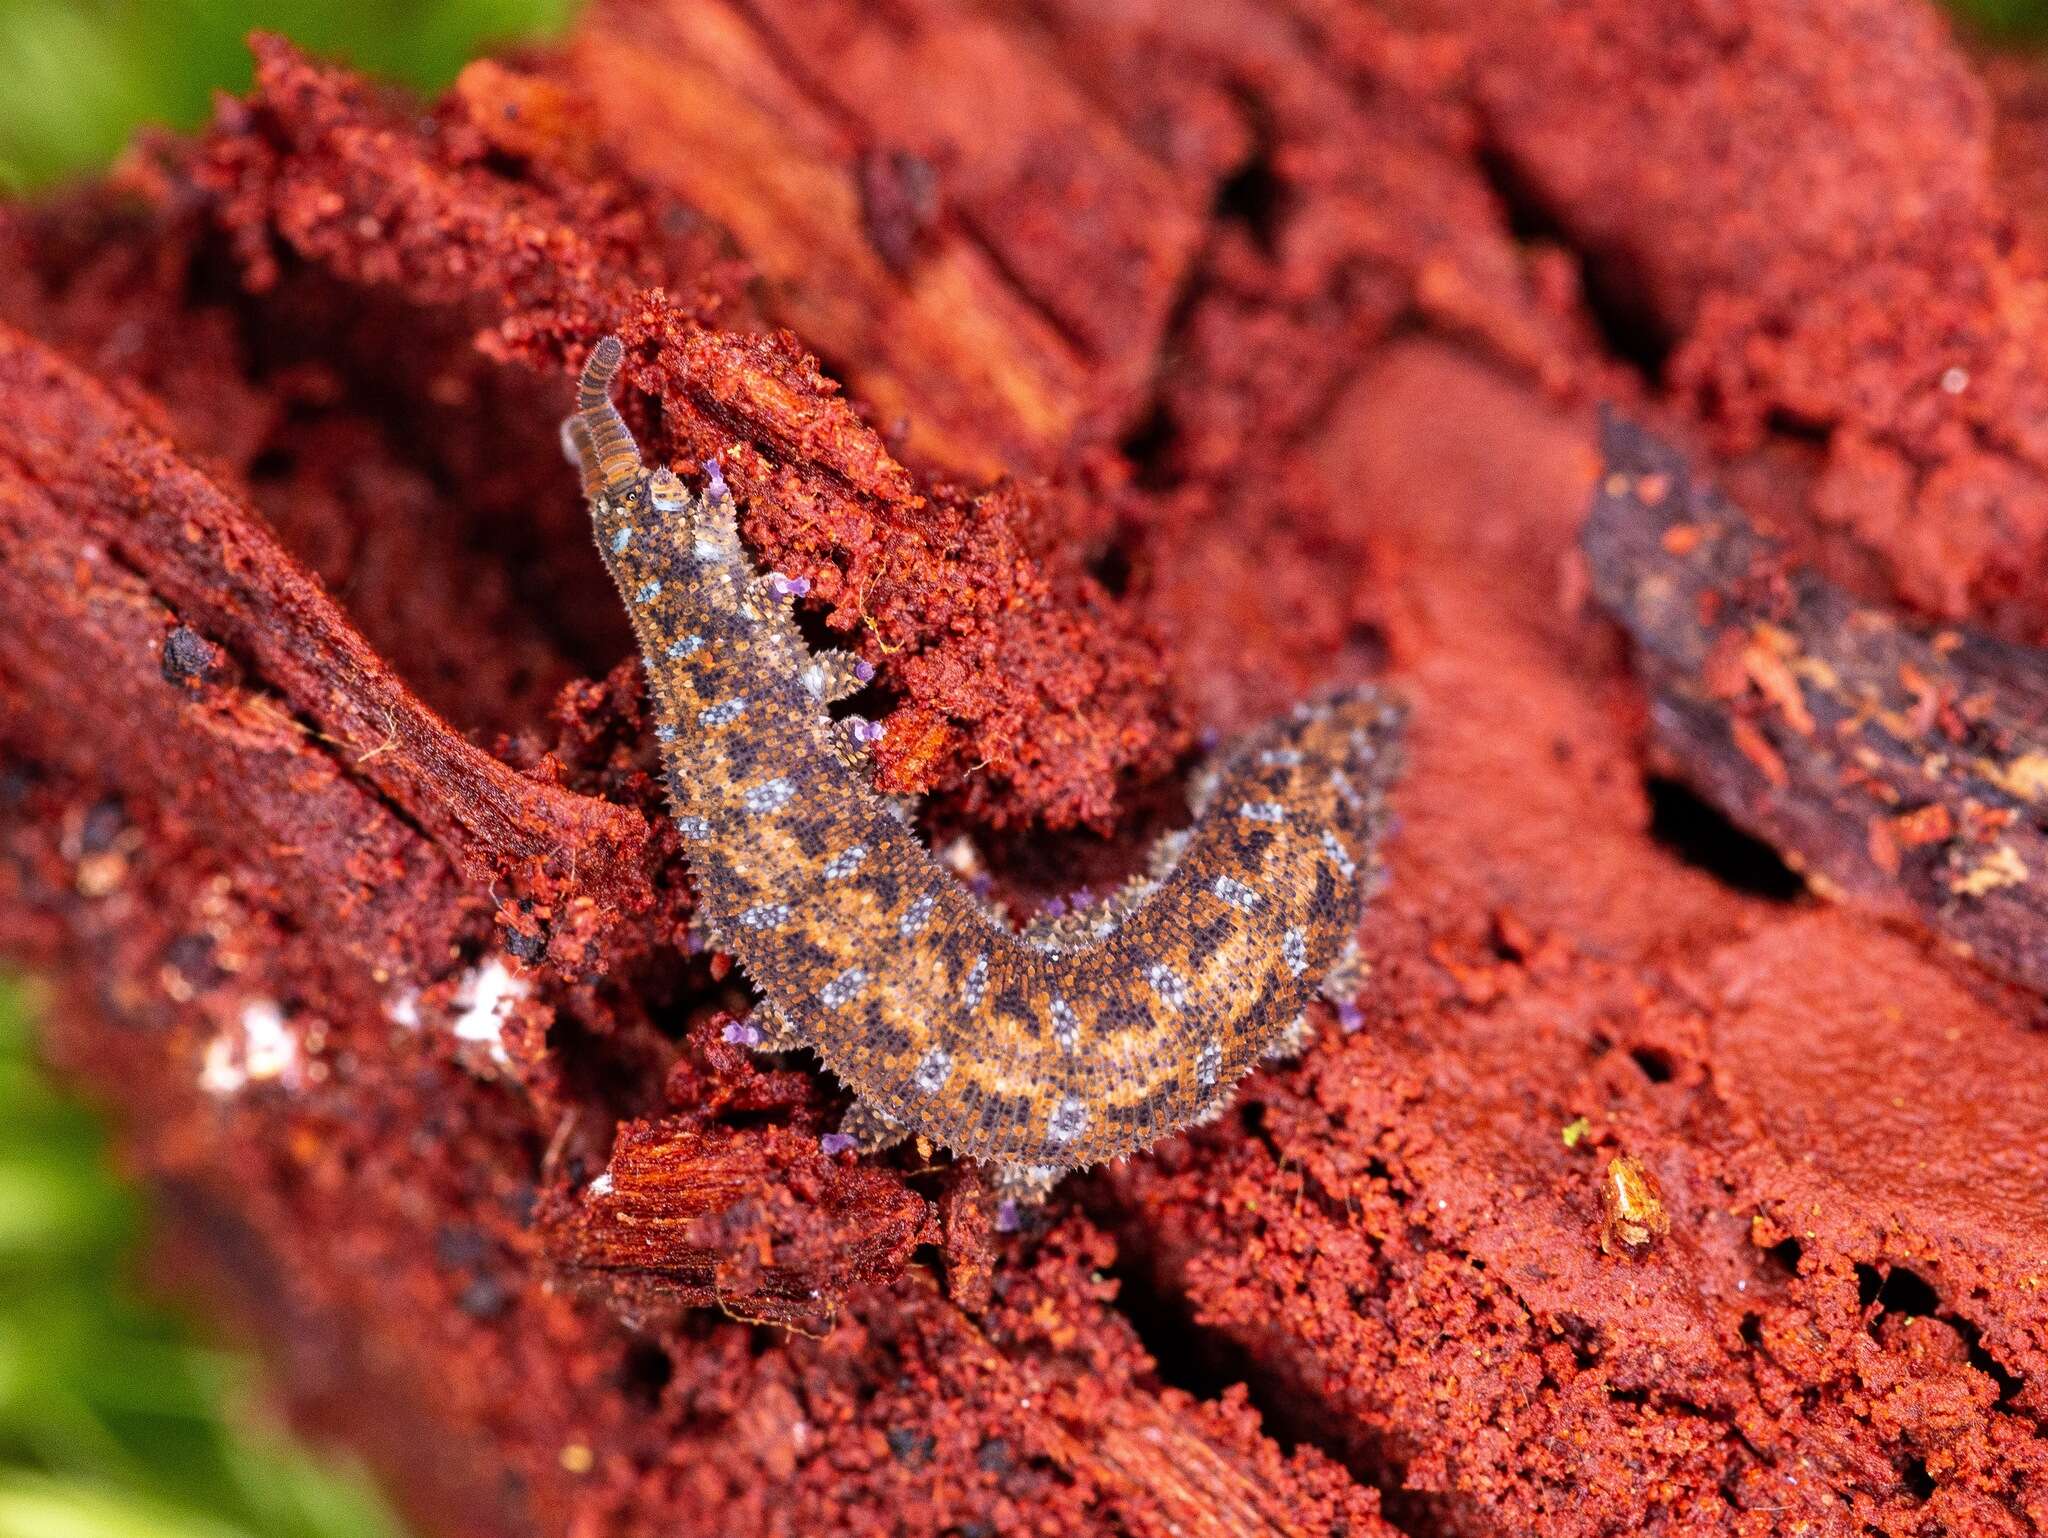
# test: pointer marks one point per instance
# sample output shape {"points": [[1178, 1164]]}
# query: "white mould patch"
{"points": [[961, 858], [260, 1047], [486, 997], [221, 1071], [270, 1048]]}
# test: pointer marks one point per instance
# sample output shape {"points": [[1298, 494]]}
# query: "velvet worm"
{"points": [[1070, 1042]]}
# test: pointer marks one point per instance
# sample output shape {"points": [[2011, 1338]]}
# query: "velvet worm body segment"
{"points": [[1066, 1044]]}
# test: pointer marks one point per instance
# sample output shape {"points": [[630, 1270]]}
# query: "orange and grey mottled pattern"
{"points": [[1038, 1052]]}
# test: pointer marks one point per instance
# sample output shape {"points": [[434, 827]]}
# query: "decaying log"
{"points": [[160, 574], [361, 902]]}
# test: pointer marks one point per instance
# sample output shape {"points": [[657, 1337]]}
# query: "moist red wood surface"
{"points": [[316, 728]]}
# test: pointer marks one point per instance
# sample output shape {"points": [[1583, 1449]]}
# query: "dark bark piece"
{"points": [[1903, 766]]}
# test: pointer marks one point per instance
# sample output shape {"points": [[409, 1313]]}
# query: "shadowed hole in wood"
{"points": [[1112, 569], [1149, 447], [1609, 280], [2009, 1383], [1900, 1291], [645, 1373], [1909, 1293], [1695, 830], [1255, 195], [1785, 1254], [1655, 1063], [1204, 1363]]}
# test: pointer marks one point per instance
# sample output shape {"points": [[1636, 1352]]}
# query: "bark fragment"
{"points": [[759, 1224], [1902, 765], [139, 549]]}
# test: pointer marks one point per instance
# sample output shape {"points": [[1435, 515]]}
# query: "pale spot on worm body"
{"points": [[1236, 893], [847, 985], [723, 714], [771, 796], [917, 916], [1171, 987]]}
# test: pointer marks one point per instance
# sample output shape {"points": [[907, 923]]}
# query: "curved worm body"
{"points": [[1061, 1046]]}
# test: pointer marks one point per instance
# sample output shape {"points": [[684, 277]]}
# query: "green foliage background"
{"points": [[76, 76], [114, 1422], [2004, 20]]}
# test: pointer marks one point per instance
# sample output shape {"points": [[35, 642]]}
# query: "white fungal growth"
{"points": [[259, 1047], [220, 1071], [269, 1048], [486, 997], [961, 857]]}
